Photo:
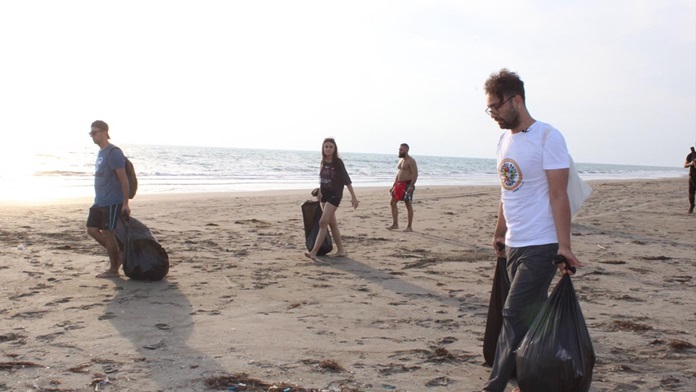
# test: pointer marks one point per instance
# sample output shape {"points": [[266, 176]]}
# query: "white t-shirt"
{"points": [[522, 169]]}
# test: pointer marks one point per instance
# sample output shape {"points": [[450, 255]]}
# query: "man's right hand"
{"points": [[499, 246]]}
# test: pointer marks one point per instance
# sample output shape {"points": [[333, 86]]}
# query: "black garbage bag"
{"points": [[494, 321], [311, 213], [143, 256], [557, 353]]}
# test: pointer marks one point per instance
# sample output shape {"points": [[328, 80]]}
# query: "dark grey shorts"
{"points": [[104, 218]]}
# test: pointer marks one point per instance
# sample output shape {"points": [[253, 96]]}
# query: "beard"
{"points": [[511, 122], [402, 154]]}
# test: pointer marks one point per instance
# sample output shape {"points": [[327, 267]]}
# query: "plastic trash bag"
{"points": [[311, 214], [143, 256], [557, 353], [494, 321], [578, 189]]}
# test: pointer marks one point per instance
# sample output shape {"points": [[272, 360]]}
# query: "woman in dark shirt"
{"points": [[333, 177]]}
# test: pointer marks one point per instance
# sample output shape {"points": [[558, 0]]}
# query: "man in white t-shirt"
{"points": [[533, 216]]}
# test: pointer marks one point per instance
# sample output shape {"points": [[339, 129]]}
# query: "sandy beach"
{"points": [[402, 312]]}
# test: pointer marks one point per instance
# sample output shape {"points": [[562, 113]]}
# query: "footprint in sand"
{"points": [[59, 301], [107, 316]]}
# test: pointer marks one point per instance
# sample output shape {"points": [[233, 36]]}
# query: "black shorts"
{"points": [[331, 198], [104, 218]]}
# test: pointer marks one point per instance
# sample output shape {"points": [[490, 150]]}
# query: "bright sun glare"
{"points": [[19, 163]]}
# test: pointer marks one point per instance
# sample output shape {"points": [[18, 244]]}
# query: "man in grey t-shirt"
{"points": [[111, 197]]}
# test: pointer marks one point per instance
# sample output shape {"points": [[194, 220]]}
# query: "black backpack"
{"points": [[130, 173]]}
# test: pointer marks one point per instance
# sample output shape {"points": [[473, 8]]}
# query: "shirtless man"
{"points": [[404, 185]]}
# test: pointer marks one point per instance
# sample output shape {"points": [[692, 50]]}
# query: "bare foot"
{"points": [[311, 256], [408, 230], [108, 275], [393, 227], [339, 254]]}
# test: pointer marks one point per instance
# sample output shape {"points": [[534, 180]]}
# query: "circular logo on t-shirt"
{"points": [[510, 175]]}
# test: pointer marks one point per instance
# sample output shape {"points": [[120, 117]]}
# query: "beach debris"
{"points": [[426, 262], [448, 340], [441, 355], [100, 382], [621, 325], [110, 369], [107, 316], [655, 258], [621, 368], [438, 382], [81, 368], [11, 336], [330, 365], [294, 305], [21, 247], [670, 382], [614, 262], [241, 382], [679, 279], [393, 368], [678, 344], [601, 247], [13, 365], [154, 346], [626, 297]]}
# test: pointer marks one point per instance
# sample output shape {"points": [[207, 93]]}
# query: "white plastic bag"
{"points": [[578, 189]]}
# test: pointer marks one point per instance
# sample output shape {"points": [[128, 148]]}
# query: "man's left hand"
{"points": [[570, 261]]}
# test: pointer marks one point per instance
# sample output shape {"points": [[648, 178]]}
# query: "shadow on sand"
{"points": [[386, 279], [156, 318]]}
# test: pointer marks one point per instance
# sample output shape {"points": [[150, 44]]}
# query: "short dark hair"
{"points": [[405, 145], [505, 84], [101, 125]]}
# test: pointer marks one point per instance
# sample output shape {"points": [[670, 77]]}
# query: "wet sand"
{"points": [[402, 312]]}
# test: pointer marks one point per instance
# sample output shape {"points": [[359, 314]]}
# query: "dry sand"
{"points": [[403, 312]]}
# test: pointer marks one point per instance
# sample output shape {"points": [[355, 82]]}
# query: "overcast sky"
{"points": [[617, 78]]}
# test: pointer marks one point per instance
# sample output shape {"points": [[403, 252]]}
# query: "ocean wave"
{"points": [[64, 173], [162, 169]]}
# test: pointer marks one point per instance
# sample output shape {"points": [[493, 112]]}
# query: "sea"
{"points": [[180, 169]]}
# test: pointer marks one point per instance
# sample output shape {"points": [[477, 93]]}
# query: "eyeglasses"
{"points": [[497, 107], [92, 133]]}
